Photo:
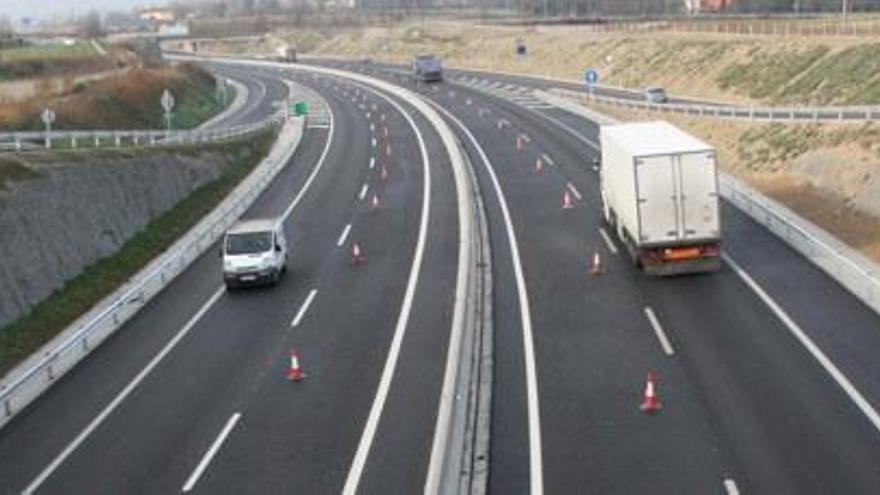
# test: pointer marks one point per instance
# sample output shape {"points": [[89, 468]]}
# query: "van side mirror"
{"points": [[278, 248]]}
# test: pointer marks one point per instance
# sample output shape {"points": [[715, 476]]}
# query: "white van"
{"points": [[254, 252]]}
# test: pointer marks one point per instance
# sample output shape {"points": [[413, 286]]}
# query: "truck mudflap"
{"points": [[681, 260]]}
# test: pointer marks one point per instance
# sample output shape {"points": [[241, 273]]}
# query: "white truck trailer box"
{"points": [[660, 195]]}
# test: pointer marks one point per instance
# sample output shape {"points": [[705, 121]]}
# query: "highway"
{"points": [[190, 395]]}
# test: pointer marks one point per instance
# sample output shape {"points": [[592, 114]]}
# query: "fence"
{"points": [[75, 140], [93, 328], [821, 26], [831, 114]]}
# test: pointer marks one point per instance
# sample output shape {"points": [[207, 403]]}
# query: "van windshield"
{"points": [[253, 242]]}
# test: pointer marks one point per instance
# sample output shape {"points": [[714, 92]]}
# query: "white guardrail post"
{"points": [[19, 388]]}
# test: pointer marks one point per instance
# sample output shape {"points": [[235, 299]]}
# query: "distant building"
{"points": [[158, 17], [707, 6]]}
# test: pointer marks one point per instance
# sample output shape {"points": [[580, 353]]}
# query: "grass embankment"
{"points": [[21, 338], [128, 100], [31, 61]]}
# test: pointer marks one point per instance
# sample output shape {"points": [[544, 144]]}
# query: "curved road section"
{"points": [[748, 407], [192, 396]]}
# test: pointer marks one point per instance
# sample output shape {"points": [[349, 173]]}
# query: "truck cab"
{"points": [[254, 252]]}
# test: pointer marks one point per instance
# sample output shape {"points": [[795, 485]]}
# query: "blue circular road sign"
{"points": [[591, 77]]}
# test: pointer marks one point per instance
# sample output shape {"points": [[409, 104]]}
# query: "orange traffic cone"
{"points": [[295, 373], [388, 149], [384, 173], [651, 402], [539, 165], [567, 204], [357, 256], [519, 143], [596, 267], [374, 201]]}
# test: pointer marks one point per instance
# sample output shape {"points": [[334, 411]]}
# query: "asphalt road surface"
{"points": [[747, 405]]}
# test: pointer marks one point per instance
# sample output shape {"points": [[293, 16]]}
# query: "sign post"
{"points": [[591, 78], [167, 105], [48, 117]]}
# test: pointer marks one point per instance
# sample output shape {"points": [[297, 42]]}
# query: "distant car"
{"points": [[655, 94], [427, 68]]}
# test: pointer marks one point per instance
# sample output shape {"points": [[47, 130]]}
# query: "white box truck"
{"points": [[659, 190]]}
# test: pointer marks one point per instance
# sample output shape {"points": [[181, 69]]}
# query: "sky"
{"points": [[44, 9]]}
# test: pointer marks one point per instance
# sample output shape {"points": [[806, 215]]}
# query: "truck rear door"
{"points": [[699, 196], [656, 183]]}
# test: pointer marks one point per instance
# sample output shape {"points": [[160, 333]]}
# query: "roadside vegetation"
{"points": [[21, 338], [37, 61], [128, 99]]}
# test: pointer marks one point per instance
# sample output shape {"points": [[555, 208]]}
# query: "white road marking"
{"points": [[343, 236], [658, 329], [317, 169], [536, 463], [107, 411], [369, 116], [547, 159], [372, 127], [363, 193], [608, 241], [372, 162], [526, 138], [311, 296], [731, 487], [360, 458], [194, 477], [838, 376], [373, 142], [573, 190]]}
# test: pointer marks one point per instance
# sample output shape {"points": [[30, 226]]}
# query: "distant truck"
{"points": [[659, 189], [286, 54], [254, 252], [427, 68]]}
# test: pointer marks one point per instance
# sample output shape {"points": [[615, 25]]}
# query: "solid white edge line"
{"points": [[107, 411], [608, 241], [838, 376], [317, 168], [209, 455], [305, 307], [730, 487], [366, 442], [577, 194], [658, 329], [343, 236], [363, 193], [536, 464]]}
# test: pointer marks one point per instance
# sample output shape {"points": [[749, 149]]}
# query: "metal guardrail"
{"points": [[75, 140], [838, 114], [18, 393], [855, 272]]}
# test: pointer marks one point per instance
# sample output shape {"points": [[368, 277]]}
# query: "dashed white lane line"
{"points": [[577, 194], [308, 302], [194, 477], [658, 329], [526, 138], [373, 142], [608, 241], [363, 193], [372, 127], [838, 376], [372, 162], [547, 159], [369, 116], [343, 236], [731, 487], [107, 411]]}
